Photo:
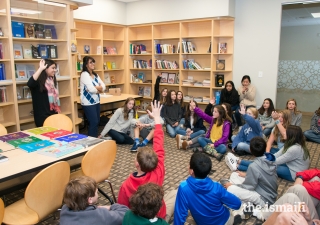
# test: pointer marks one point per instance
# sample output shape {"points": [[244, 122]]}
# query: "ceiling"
{"points": [[292, 14]]}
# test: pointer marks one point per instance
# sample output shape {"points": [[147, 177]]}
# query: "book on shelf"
{"points": [[53, 30], [60, 149], [112, 79], [3, 94], [199, 84], [86, 49], [197, 99], [35, 52], [41, 130], [13, 136], [177, 78], [47, 34], [147, 92], [32, 147], [141, 77], [222, 47], [105, 52], [113, 65], [220, 64], [17, 29], [140, 91], [21, 71], [99, 50], [206, 83], [22, 141], [107, 78], [178, 49], [165, 64], [187, 98], [26, 93], [71, 137], [27, 53], [217, 96], [43, 51], [110, 50], [56, 133], [219, 80], [137, 49], [206, 99], [164, 77], [39, 30], [1, 51], [52, 51], [109, 66], [87, 142], [171, 78], [134, 78], [2, 71], [209, 49], [73, 45], [17, 51]]}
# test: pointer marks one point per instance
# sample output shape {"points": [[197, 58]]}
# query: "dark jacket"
{"points": [[231, 97], [157, 89], [172, 113], [196, 127]]}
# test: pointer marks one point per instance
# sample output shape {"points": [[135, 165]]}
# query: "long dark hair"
{"points": [[188, 114], [43, 75], [182, 103], [228, 107], [163, 98], [270, 109], [126, 111], [295, 136], [169, 100], [232, 84], [85, 63], [222, 115]]}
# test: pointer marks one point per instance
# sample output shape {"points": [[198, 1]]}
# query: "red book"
{"points": [[56, 133]]}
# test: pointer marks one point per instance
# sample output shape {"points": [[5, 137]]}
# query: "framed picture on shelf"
{"points": [[171, 78], [164, 77]]}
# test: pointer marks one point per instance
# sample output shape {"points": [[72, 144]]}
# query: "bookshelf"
{"points": [[15, 113], [201, 34]]}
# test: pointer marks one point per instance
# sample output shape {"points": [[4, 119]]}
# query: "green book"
{"points": [[22, 141], [41, 130]]}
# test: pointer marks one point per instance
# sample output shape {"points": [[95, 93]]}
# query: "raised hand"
{"points": [[275, 115], [42, 64], [213, 101], [156, 110], [242, 109]]}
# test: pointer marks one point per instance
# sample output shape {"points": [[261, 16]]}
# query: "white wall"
{"points": [[107, 11]]}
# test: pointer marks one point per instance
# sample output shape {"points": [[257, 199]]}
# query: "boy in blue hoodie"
{"points": [[207, 200], [259, 185], [251, 129]]}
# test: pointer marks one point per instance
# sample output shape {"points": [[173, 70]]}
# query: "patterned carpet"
{"points": [[176, 163]]}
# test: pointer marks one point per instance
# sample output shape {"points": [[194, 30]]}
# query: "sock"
{"points": [[136, 140], [145, 141]]}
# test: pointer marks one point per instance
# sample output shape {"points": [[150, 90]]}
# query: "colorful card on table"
{"points": [[13, 136], [22, 141], [71, 137], [41, 130], [56, 133], [36, 146], [60, 149]]}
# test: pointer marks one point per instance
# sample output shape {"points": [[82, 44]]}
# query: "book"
{"points": [[140, 91], [35, 146], [113, 65], [52, 51], [141, 77], [147, 92], [17, 51], [107, 78], [35, 53], [99, 50], [43, 52], [27, 53], [219, 80], [71, 137], [30, 70], [164, 77], [26, 92], [39, 30], [13, 136], [22, 141], [60, 149], [21, 71], [3, 94], [87, 142], [220, 64], [3, 158], [47, 34], [217, 96], [171, 78], [222, 47], [17, 29], [2, 71], [109, 65], [29, 30], [58, 70], [1, 51], [41, 130], [56, 133], [53, 30], [86, 49]]}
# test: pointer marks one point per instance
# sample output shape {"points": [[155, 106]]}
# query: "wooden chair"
{"points": [[3, 130], [97, 164], [43, 196], [1, 210], [59, 121]]}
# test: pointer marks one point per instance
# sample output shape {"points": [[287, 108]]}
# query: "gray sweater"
{"points": [[296, 119], [93, 215], [262, 177], [145, 119], [118, 123], [293, 158], [266, 120]]}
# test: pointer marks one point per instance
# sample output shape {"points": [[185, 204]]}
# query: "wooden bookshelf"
{"points": [[16, 113], [200, 33]]}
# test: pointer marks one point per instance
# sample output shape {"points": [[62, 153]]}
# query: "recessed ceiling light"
{"points": [[316, 15]]}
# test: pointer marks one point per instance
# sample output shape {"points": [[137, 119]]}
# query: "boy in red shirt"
{"points": [[150, 168]]}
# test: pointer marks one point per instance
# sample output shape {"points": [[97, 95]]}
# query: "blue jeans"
{"points": [[267, 131], [204, 141], [92, 113], [172, 130], [312, 136], [244, 164], [274, 150], [284, 172], [193, 135], [182, 122], [120, 138]]}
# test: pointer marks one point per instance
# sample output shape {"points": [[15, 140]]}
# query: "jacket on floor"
{"points": [[313, 187]]}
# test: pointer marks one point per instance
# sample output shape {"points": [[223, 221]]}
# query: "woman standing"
{"points": [[296, 116], [44, 91], [90, 87]]}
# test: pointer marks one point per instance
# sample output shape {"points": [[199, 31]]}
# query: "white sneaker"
{"points": [[258, 213], [231, 161], [179, 141]]}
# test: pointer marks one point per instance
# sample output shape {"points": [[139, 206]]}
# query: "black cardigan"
{"points": [[198, 126], [232, 99]]}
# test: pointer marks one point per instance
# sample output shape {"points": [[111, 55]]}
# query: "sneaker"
{"points": [[197, 149], [179, 141], [231, 161], [134, 147], [258, 213], [230, 146], [184, 145], [141, 145], [237, 220], [223, 181]]}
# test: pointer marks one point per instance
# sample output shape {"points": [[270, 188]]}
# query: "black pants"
{"points": [[120, 138]]}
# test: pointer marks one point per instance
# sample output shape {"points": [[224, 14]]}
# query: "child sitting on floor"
{"points": [[80, 198]]}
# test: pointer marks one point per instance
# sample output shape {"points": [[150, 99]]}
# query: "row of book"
{"points": [[164, 48], [110, 50], [166, 64], [25, 71], [109, 65], [35, 52], [2, 71], [33, 30], [3, 94], [191, 65], [139, 78], [142, 64], [169, 78], [204, 83], [188, 47], [109, 79], [137, 49], [144, 91], [23, 92], [188, 98]]}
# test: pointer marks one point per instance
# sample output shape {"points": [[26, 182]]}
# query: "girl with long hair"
{"points": [[90, 88], [44, 91], [228, 109], [296, 115], [314, 133], [172, 113], [265, 118], [183, 107], [120, 123]]}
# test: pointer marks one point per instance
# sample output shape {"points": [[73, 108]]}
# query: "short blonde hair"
{"points": [[254, 112]]}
